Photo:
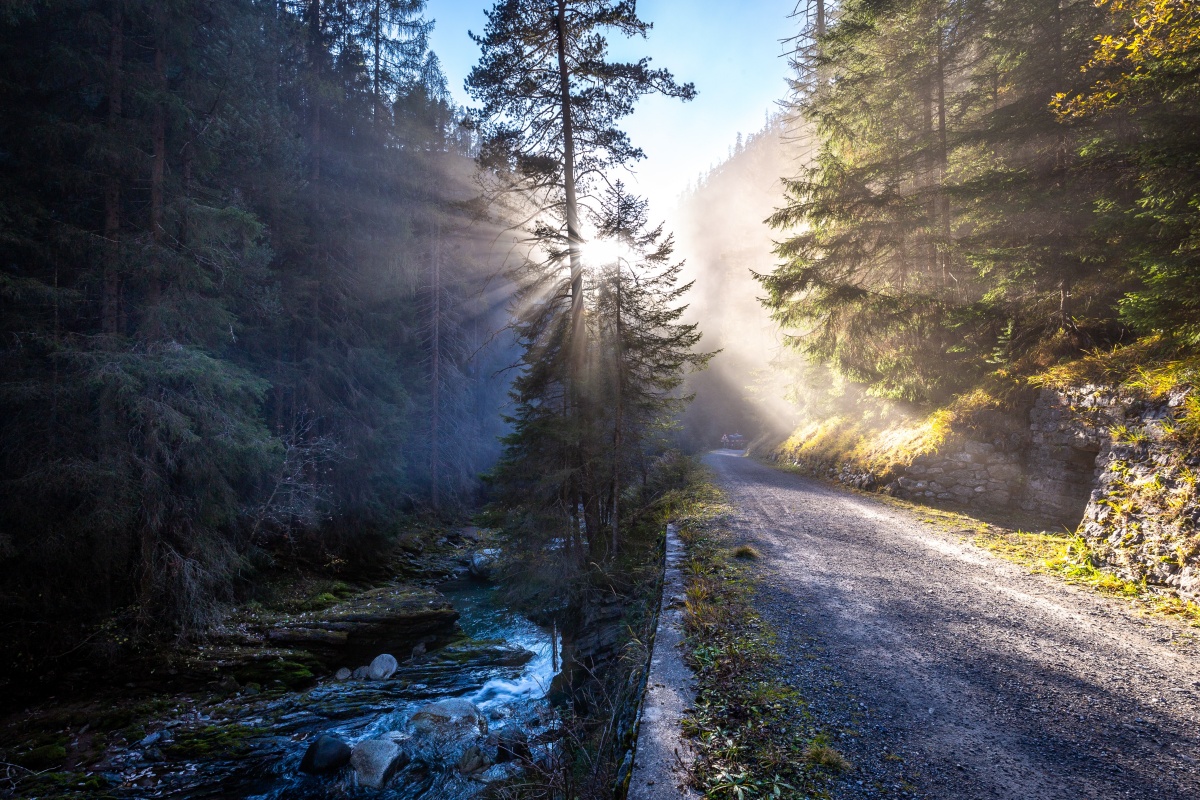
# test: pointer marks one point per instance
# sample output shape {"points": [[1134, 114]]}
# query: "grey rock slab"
{"points": [[383, 667], [663, 757], [375, 761]]}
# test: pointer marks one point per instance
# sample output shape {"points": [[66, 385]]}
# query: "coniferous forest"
{"points": [[241, 298], [988, 181], [346, 411]]}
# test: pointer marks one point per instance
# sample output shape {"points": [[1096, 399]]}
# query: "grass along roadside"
{"points": [[754, 735], [1062, 554]]}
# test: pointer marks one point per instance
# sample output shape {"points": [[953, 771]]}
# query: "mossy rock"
{"points": [[53, 785], [44, 757], [483, 652], [213, 741], [124, 716], [64, 786], [293, 674], [321, 601]]}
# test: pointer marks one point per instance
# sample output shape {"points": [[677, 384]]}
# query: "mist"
{"points": [[721, 231]]}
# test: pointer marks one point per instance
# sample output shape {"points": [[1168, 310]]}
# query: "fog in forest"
{"points": [[720, 224]]}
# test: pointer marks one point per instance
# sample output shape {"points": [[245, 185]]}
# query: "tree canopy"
{"points": [[993, 183], [223, 227]]}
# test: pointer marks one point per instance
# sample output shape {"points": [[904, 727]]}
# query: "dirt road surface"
{"points": [[945, 672]]}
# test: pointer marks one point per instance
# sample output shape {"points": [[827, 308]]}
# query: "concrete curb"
{"points": [[663, 757]]}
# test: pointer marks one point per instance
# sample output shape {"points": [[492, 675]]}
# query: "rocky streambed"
{"points": [[394, 693]]}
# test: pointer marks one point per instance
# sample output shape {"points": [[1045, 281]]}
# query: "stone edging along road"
{"points": [[942, 671], [663, 756]]}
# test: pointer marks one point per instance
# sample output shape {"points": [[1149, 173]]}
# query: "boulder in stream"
{"points": [[326, 754], [375, 761], [383, 667], [443, 731], [472, 761], [483, 564], [343, 674], [361, 673]]}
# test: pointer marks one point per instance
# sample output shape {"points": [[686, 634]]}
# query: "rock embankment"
{"points": [[293, 648], [1099, 459]]}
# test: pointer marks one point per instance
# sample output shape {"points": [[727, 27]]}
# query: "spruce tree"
{"points": [[646, 348], [946, 224], [1139, 111], [551, 105]]}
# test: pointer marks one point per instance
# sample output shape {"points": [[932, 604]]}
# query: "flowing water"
{"points": [[274, 733]]}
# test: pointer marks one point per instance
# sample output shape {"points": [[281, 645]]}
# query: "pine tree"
{"points": [[945, 221], [554, 102], [551, 104]]}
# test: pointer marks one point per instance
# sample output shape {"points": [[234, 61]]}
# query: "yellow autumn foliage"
{"points": [[1156, 37]]}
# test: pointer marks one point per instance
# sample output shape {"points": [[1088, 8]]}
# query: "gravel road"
{"points": [[948, 673]]}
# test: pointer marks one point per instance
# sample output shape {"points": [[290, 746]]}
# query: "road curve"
{"points": [[949, 673]]}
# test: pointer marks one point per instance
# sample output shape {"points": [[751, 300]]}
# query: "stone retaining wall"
{"points": [[1142, 517]]}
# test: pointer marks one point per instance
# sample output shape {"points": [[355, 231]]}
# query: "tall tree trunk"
{"points": [[158, 134], [820, 18], [376, 80], [943, 199], [187, 152], [925, 181], [619, 422], [435, 387], [316, 58], [578, 345], [152, 502], [1060, 164], [574, 237], [110, 307]]}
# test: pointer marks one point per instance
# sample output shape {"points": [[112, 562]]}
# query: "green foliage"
{"points": [[1146, 68], [952, 217], [222, 230]]}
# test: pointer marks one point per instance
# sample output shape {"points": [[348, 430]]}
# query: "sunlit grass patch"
{"points": [[1063, 554], [746, 552], [820, 753], [1150, 368], [1069, 557]]}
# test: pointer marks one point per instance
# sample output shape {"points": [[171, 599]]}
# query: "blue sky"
{"points": [[730, 50]]}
